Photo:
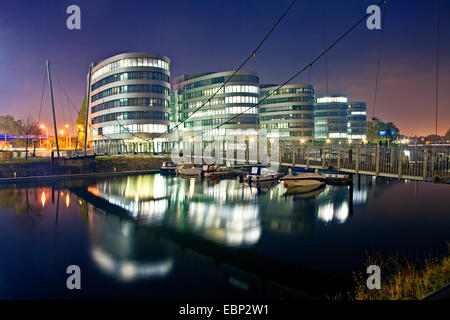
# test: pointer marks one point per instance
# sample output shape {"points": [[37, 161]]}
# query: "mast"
{"points": [[53, 106], [87, 108]]}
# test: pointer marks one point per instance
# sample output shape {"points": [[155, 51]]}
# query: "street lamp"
{"points": [[68, 136], [44, 127], [61, 132]]}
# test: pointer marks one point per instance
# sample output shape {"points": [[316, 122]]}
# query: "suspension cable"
{"points": [[237, 70], [304, 68], [378, 64]]}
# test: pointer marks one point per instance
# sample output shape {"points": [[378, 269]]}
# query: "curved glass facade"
{"points": [[129, 98], [239, 95], [132, 75], [289, 110]]}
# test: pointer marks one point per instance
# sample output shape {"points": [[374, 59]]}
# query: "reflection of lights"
{"points": [[43, 198], [326, 211], [191, 187], [128, 270], [360, 196], [342, 213], [67, 200], [235, 225]]}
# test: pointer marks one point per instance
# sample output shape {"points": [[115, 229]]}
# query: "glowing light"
{"points": [[67, 126], [328, 141], [302, 141], [331, 99], [42, 126], [61, 131], [43, 199], [67, 200]]}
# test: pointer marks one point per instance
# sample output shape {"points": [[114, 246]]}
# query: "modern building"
{"points": [[356, 121], [239, 95], [336, 118], [289, 111], [330, 117], [129, 102]]}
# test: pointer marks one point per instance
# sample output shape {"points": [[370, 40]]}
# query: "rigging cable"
{"points": [[237, 70], [437, 63], [378, 64], [42, 95], [304, 68]]}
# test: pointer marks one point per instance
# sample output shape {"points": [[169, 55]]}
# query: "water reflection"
{"points": [[207, 222], [226, 211], [124, 252]]}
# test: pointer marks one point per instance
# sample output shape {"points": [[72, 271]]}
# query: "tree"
{"points": [[447, 135], [375, 127], [28, 127], [8, 125], [81, 122]]}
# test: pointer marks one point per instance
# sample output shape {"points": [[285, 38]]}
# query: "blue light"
{"points": [[382, 132]]}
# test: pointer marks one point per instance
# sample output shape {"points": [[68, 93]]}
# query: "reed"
{"points": [[402, 279]]}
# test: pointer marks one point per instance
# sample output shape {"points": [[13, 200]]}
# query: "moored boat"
{"points": [[188, 169], [261, 173], [336, 177], [306, 180], [168, 167], [214, 171], [302, 186]]}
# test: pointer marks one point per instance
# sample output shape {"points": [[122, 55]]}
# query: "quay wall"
{"points": [[100, 164]]}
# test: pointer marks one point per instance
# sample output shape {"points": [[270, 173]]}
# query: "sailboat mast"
{"points": [[87, 108], [53, 106]]}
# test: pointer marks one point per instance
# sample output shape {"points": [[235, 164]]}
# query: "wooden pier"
{"points": [[425, 163]]}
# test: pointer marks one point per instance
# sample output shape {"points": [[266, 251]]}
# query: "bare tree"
{"points": [[28, 127]]}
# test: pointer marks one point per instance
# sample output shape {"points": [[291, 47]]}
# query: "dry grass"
{"points": [[401, 279]]}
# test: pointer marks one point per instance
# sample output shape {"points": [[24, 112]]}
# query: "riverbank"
{"points": [[402, 279], [39, 167]]}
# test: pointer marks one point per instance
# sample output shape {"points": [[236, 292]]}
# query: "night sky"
{"points": [[217, 35]]}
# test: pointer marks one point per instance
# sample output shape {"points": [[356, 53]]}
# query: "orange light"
{"points": [[43, 198], [67, 126], [67, 200], [42, 126], [61, 132]]}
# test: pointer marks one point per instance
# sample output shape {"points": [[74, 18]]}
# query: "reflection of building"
{"points": [[336, 203], [123, 252], [129, 100], [216, 210], [289, 110], [143, 196]]}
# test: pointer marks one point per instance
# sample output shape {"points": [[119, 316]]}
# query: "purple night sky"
{"points": [[216, 35]]}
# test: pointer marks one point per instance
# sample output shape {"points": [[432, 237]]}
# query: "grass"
{"points": [[22, 160], [402, 279]]}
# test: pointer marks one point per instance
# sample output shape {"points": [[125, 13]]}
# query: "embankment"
{"points": [[102, 164]]}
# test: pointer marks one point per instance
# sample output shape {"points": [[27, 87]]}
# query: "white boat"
{"points": [[187, 169], [214, 171], [168, 167], [302, 186], [261, 173], [305, 182]]}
